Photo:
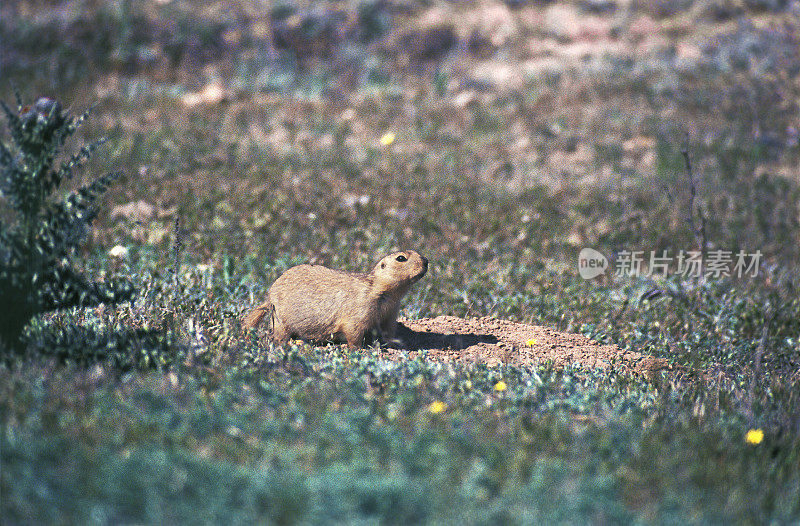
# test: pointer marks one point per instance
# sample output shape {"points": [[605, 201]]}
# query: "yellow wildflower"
{"points": [[754, 436], [437, 407], [531, 342], [500, 386], [388, 138]]}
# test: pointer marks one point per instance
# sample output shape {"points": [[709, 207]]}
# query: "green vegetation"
{"points": [[35, 271], [242, 154]]}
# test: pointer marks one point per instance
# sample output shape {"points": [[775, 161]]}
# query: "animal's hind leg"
{"points": [[279, 332]]}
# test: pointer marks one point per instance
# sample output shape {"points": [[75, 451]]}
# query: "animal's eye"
{"points": [[401, 257]]}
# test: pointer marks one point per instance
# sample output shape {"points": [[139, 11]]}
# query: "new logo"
{"points": [[591, 263]]}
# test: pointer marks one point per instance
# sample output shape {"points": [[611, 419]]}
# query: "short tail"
{"points": [[255, 317]]}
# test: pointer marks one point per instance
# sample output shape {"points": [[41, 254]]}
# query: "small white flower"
{"points": [[118, 252]]}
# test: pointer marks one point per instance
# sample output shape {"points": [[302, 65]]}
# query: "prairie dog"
{"points": [[313, 302]]}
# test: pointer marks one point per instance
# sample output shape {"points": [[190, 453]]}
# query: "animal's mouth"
{"points": [[424, 269]]}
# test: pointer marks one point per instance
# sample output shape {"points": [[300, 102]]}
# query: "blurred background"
{"points": [[466, 128]]}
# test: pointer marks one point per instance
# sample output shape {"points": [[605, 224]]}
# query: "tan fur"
{"points": [[313, 302]]}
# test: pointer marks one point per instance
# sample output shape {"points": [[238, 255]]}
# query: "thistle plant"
{"points": [[38, 244]]}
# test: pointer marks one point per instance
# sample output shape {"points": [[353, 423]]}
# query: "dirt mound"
{"points": [[493, 341]]}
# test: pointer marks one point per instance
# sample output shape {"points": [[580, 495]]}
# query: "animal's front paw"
{"points": [[395, 343]]}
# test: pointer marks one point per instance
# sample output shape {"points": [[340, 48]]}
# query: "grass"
{"points": [[161, 410], [153, 447]]}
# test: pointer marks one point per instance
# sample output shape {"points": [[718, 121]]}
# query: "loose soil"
{"points": [[493, 341]]}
